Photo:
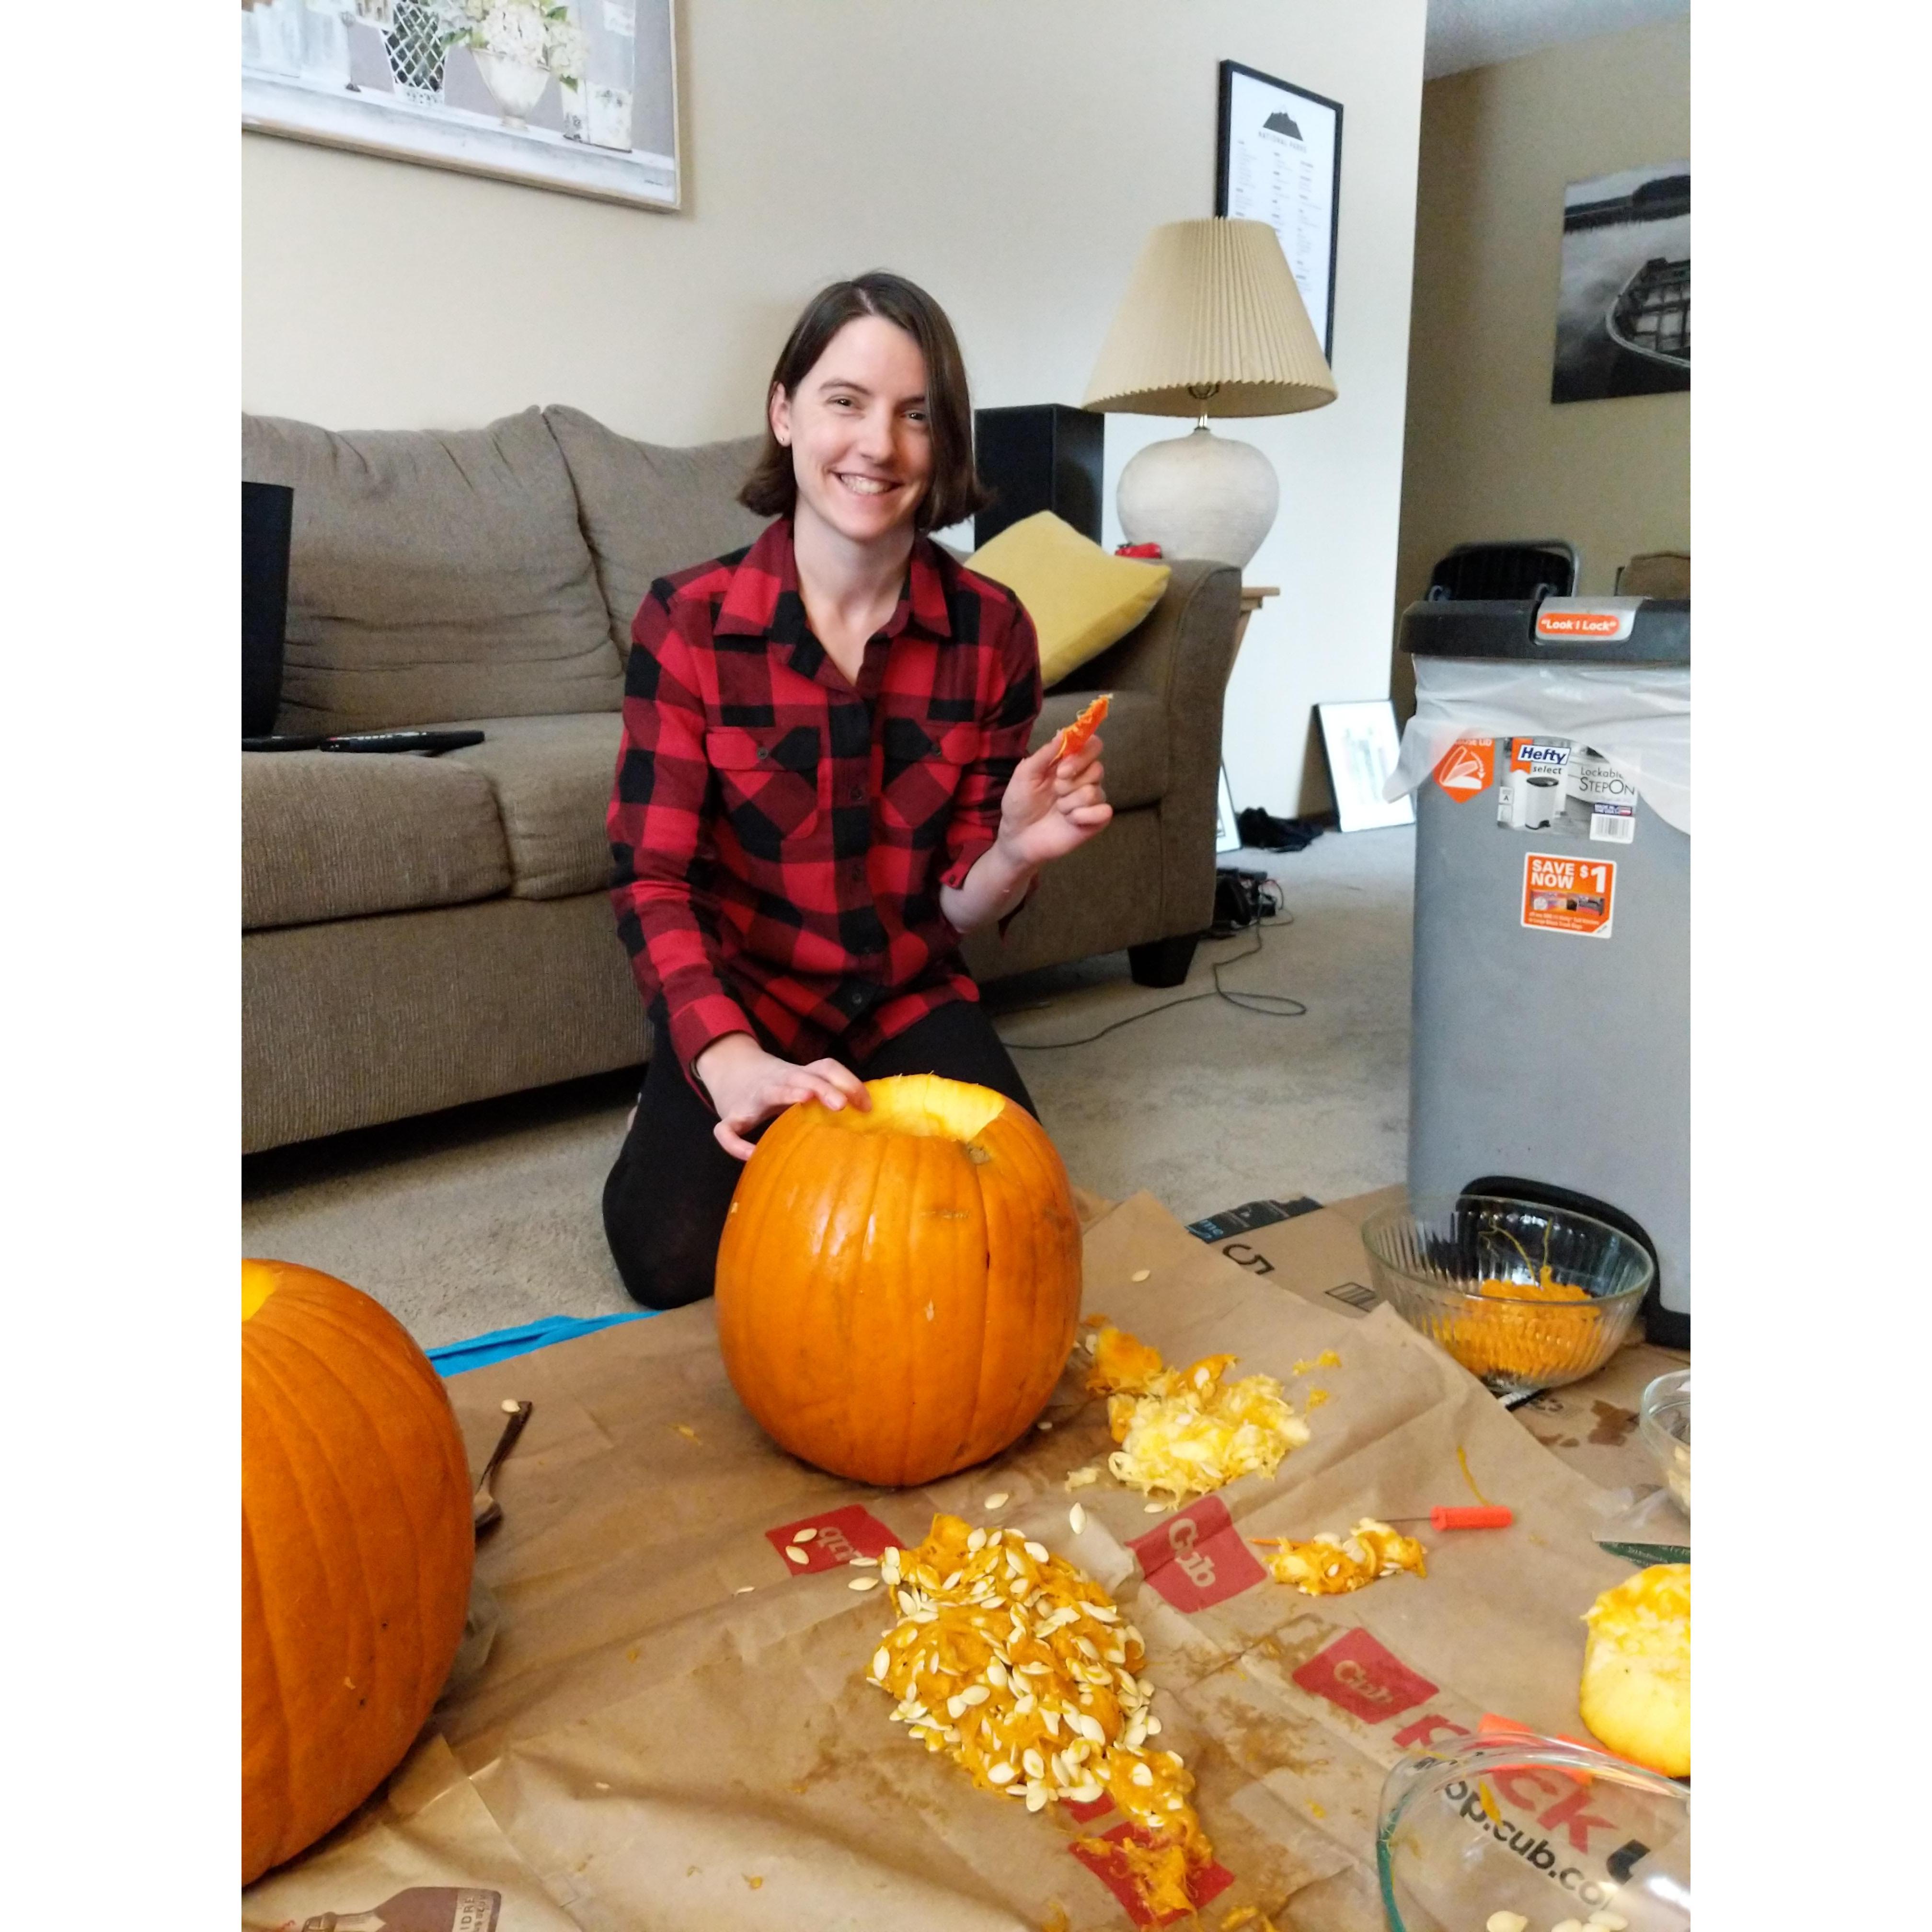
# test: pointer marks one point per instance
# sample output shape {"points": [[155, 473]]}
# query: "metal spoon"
{"points": [[487, 1510]]}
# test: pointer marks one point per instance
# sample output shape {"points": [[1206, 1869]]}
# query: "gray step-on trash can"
{"points": [[1550, 753]]}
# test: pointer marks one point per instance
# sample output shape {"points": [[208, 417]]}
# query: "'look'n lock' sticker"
{"points": [[1569, 895]]}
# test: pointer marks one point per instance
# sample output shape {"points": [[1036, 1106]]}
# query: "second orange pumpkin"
{"points": [[898, 1291], [357, 1542]]}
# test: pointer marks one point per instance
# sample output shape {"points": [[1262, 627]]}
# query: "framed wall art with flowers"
{"points": [[580, 95]]}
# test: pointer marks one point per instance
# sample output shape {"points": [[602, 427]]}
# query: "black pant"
{"points": [[665, 1201]]}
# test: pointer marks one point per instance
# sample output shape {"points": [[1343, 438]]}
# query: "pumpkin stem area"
{"points": [[926, 1106], [259, 1280]]}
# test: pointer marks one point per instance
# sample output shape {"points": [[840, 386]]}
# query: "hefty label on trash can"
{"points": [[1565, 894]]}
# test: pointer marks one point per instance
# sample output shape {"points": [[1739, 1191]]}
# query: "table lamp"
{"points": [[1213, 325]]}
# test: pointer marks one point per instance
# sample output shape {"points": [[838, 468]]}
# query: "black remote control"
{"points": [[428, 741]]}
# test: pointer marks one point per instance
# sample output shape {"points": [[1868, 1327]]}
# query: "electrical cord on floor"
{"points": [[1271, 1005]]}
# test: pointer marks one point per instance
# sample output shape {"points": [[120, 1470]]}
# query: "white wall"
{"points": [[1008, 156]]}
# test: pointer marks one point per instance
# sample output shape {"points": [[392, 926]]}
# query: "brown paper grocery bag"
{"points": [[427, 1849], [674, 1729]]}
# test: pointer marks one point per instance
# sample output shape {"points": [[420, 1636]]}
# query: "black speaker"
{"points": [[1043, 456], [267, 515]]}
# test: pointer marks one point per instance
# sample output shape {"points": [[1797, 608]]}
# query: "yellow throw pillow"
{"points": [[1080, 598]]}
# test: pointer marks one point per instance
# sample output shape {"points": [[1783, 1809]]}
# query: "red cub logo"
{"points": [[839, 1536], [1111, 1867], [1366, 1680], [1197, 1557]]}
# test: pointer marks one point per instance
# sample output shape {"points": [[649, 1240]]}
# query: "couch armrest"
{"points": [[1182, 653]]}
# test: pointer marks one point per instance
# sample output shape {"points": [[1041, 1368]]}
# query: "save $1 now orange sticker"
{"points": [[1569, 895]]}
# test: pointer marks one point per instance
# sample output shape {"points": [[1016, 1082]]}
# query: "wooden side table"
{"points": [[1253, 596]]}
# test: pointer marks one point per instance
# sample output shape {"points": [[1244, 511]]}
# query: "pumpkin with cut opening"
{"points": [[898, 1290]]}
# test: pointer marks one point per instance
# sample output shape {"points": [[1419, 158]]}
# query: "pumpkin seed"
{"points": [[743, 1590], [863, 1583], [796, 1555], [1076, 1518], [998, 1499], [803, 1535], [1037, 1551], [1140, 1274]]}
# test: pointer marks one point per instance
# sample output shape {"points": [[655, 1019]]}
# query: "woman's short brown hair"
{"points": [[956, 492]]}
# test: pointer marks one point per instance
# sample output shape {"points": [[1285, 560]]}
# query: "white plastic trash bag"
{"points": [[1638, 716]]}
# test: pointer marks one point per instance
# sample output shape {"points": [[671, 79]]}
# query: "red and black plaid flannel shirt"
{"points": [[780, 837]]}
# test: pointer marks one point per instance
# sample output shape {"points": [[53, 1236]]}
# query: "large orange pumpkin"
{"points": [[357, 1542], [897, 1290]]}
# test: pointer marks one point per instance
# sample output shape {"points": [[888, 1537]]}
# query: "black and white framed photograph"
{"points": [[1278, 159], [578, 95], [1623, 303], [1362, 745]]}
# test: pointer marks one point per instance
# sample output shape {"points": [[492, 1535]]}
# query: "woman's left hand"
{"points": [[1053, 805]]}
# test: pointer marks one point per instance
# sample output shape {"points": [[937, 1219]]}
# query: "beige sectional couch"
{"points": [[420, 932]]}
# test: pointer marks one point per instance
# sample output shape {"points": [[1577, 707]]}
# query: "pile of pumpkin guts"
{"points": [[1021, 1669]]}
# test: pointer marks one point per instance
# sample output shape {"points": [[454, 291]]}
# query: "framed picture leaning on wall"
{"points": [[1278, 159], [580, 95]]}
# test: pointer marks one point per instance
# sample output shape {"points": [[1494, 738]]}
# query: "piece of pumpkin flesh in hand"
{"points": [[1073, 736]]}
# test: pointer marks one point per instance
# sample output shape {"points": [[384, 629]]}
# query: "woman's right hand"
{"points": [[748, 1085]]}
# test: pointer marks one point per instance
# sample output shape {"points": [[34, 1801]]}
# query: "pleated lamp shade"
{"points": [[1212, 324]]}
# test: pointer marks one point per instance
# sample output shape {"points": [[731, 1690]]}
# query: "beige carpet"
{"points": [[488, 1216]]}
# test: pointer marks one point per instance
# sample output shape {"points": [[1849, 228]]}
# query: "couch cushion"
{"points": [[1133, 742], [333, 835], [552, 778], [433, 575], [649, 509]]}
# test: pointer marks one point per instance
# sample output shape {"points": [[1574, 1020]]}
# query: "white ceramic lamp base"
{"points": [[1199, 495]]}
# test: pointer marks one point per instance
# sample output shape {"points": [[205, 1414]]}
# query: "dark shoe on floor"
{"points": [[1262, 831]]}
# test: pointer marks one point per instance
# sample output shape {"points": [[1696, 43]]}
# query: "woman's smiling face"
{"points": [[857, 428]]}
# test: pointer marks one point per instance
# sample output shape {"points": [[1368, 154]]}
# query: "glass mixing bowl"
{"points": [[1532, 1825], [1664, 1422], [1524, 1298]]}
